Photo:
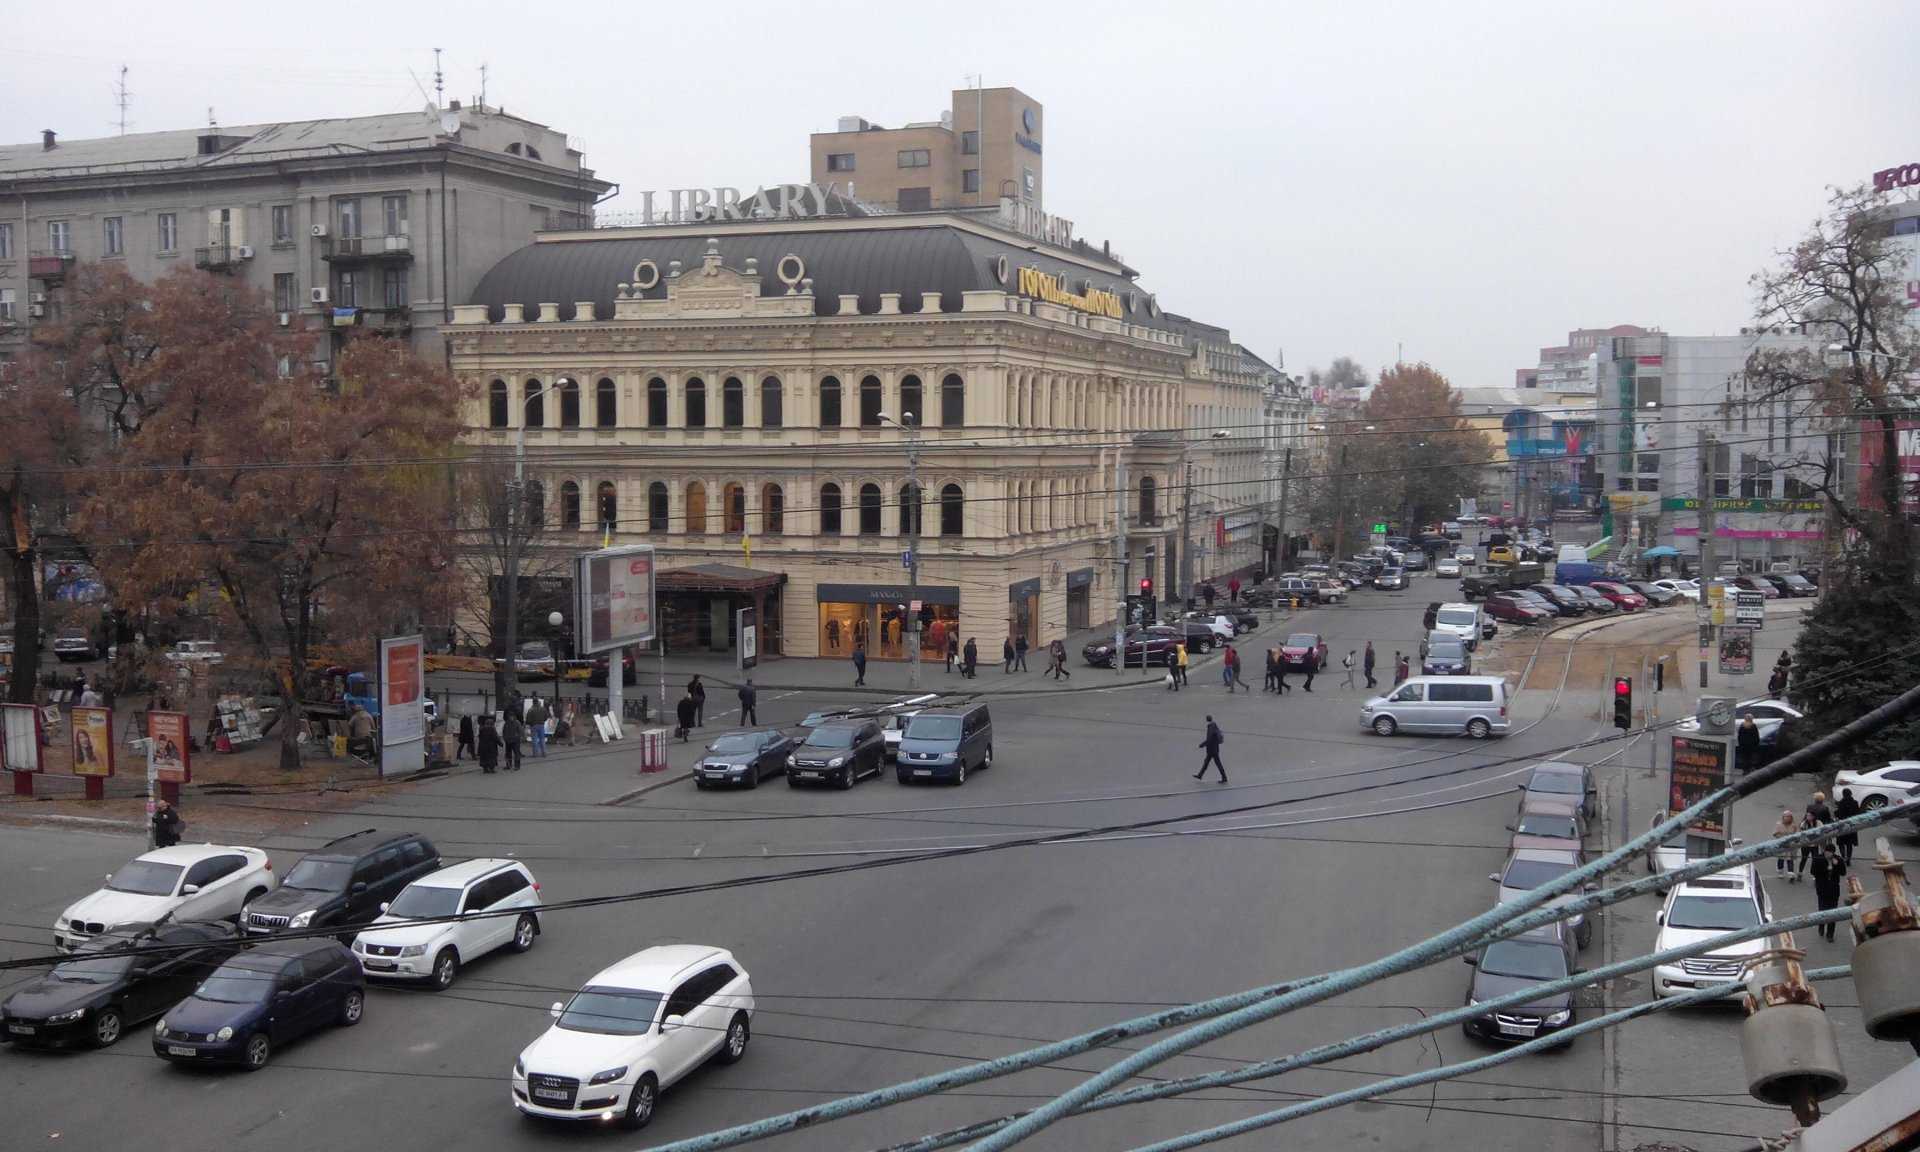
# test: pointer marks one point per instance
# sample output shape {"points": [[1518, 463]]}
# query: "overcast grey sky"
{"points": [[1471, 179]]}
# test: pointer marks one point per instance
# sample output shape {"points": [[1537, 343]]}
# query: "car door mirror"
{"points": [[1494, 876], [672, 1023], [1471, 961], [359, 888], [1735, 843], [384, 905], [1660, 917], [189, 889]]}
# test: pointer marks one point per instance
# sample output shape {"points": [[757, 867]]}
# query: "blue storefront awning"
{"points": [[1657, 553]]}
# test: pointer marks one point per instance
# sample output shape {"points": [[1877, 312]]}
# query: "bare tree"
{"points": [[500, 552]]}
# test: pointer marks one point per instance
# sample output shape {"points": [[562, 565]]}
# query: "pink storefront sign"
{"points": [[1753, 533]]}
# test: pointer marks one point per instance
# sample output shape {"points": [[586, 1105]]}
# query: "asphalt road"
{"points": [[871, 977]]}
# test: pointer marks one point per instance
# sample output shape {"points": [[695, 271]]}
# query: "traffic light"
{"points": [[1623, 702], [1146, 586]]}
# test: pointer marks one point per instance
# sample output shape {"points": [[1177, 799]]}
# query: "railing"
{"points": [[48, 264], [396, 246], [221, 255]]}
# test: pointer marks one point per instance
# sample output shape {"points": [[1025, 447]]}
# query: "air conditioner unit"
{"points": [[286, 319], [245, 251], [318, 295], [37, 298], [36, 310], [319, 230]]}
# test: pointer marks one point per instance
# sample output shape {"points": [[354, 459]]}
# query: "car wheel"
{"points": [[446, 969], [1479, 729], [753, 776], [641, 1101], [352, 1007], [1874, 803], [106, 1027], [847, 778], [960, 771], [524, 933], [1384, 726], [739, 1031], [258, 1051], [700, 784], [987, 760]]}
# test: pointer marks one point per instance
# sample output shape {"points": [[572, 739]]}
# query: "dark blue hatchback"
{"points": [[261, 999]]}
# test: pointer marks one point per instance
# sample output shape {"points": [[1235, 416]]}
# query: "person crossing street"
{"points": [[749, 699], [1347, 663], [1211, 742], [1367, 666]]}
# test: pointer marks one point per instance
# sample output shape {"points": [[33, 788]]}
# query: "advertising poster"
{"points": [[749, 634], [1698, 769], [403, 693], [92, 730], [20, 745], [169, 752], [615, 589], [1736, 651]]}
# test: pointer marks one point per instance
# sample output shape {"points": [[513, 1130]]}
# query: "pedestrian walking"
{"points": [[1233, 590], [1746, 745], [698, 691], [683, 711], [971, 660], [488, 752], [860, 664], [749, 701], [1057, 652], [1367, 666], [1827, 871], [1847, 842], [1816, 812], [166, 825], [1347, 663], [466, 737], [1777, 682], [514, 732], [1227, 674], [953, 650], [1400, 669], [1313, 665], [1020, 653], [1206, 593], [1006, 656], [1273, 672], [1787, 825], [537, 726], [1280, 684], [1181, 652], [1211, 742]]}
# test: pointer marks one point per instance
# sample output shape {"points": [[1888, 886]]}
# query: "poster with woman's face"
{"points": [[92, 742], [167, 747]]}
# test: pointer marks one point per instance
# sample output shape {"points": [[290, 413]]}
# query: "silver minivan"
{"points": [[1475, 705]]}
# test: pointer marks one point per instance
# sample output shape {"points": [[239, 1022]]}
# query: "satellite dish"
{"points": [[449, 122]]}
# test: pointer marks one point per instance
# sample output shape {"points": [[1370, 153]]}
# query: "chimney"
{"points": [[46, 140], [453, 106]]}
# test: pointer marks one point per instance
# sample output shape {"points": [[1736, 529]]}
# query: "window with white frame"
{"points": [[393, 210], [6, 306], [6, 241], [60, 235], [167, 230], [113, 236]]}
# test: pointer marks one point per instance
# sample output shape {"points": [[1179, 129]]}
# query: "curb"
{"points": [[636, 793]]}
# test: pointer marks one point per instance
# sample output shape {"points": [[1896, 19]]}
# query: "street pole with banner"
{"points": [[169, 760], [614, 607], [403, 691]]}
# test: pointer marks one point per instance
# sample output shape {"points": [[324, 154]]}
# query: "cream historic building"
{"points": [[731, 392]]}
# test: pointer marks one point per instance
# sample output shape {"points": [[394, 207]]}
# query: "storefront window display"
{"points": [[877, 617], [843, 627]]}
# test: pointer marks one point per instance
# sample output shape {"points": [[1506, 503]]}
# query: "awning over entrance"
{"points": [[719, 578]]}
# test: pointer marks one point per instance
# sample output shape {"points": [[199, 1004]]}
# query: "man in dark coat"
{"points": [[953, 650], [166, 825], [1746, 745], [1211, 742], [684, 712], [1020, 652], [512, 734], [489, 745], [970, 661], [1816, 812], [698, 691], [1827, 873], [1366, 666], [1313, 665], [1846, 842], [749, 697], [1006, 656], [859, 665], [466, 737]]}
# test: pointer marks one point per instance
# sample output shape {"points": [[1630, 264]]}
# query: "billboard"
{"points": [[1907, 444], [614, 590], [169, 752], [1736, 650], [1698, 769], [92, 735], [403, 693], [19, 738]]}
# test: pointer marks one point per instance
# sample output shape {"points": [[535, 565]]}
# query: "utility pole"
{"points": [[1340, 507], [913, 550], [1709, 564], [516, 539], [1186, 537], [1280, 557], [1120, 574]]}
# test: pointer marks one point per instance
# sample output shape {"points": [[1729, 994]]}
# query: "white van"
{"points": [[1475, 705], [1463, 620]]}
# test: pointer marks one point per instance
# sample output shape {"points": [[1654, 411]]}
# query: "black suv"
{"points": [[841, 751], [342, 883]]}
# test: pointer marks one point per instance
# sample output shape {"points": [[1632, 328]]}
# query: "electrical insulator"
{"points": [[1888, 953], [1788, 1044]]}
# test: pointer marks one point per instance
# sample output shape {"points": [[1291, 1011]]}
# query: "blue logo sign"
{"points": [[906, 559]]}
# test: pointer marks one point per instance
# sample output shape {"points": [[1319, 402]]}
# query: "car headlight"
{"points": [[1556, 1019], [789, 761], [519, 1065], [609, 1075], [301, 920], [224, 1034], [414, 950], [836, 761], [160, 1027], [66, 1017]]}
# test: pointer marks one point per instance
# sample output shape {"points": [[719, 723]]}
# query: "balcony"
{"points": [[221, 257], [50, 266], [351, 249], [378, 321]]}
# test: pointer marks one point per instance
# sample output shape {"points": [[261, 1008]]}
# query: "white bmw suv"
{"points": [[632, 1031], [449, 918], [188, 881]]}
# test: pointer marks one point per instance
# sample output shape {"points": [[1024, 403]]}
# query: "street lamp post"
{"points": [[908, 424], [516, 500], [554, 621]]}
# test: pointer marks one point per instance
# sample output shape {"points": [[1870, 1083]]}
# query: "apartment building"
{"points": [[985, 147]]}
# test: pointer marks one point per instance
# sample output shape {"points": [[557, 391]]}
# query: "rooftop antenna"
{"points": [[121, 96], [211, 122], [439, 88], [483, 85]]}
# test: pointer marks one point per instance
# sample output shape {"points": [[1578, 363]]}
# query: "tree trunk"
{"points": [[23, 594]]}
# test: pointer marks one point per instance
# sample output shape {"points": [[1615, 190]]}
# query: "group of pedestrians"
{"points": [[1828, 860], [523, 722]]}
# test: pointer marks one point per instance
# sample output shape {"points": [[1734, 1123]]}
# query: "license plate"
{"points": [[550, 1094], [812, 775], [20, 1029], [923, 771], [1515, 1030], [177, 1050], [379, 965]]}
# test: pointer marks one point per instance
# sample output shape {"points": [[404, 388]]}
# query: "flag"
{"points": [[746, 548], [606, 535]]}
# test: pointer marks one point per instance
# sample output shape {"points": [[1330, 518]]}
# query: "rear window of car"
{"points": [[1461, 693], [1533, 873], [1303, 640]]}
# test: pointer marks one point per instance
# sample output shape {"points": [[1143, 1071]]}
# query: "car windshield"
{"points": [[1533, 873], [831, 738], [1525, 959], [1302, 640], [145, 878], [235, 984], [535, 651], [738, 742], [320, 875], [1548, 824], [1717, 913], [610, 1011], [103, 968], [1453, 651], [1390, 572], [1558, 783], [425, 902], [934, 728], [1455, 616]]}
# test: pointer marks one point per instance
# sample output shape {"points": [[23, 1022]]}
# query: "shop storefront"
{"points": [[1080, 600], [874, 616], [1023, 610], [699, 607]]}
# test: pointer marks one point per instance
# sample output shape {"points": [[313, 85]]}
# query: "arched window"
{"points": [[770, 403], [657, 513], [733, 506], [953, 402], [733, 403], [870, 510], [570, 505], [497, 409], [536, 503], [696, 509], [605, 404], [656, 403], [830, 509], [773, 510], [696, 403], [910, 403], [569, 390], [870, 402], [829, 402], [609, 504], [536, 402], [1148, 513], [951, 507], [909, 509]]}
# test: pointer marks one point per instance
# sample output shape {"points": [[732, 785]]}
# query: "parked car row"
{"points": [[924, 744]]}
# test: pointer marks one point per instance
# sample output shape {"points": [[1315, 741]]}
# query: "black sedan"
{"points": [[93, 998], [1153, 645], [1657, 596], [1564, 599], [744, 758], [1513, 966]]}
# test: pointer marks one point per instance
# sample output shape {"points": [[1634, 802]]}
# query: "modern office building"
{"points": [[376, 223], [1569, 372], [985, 146]]}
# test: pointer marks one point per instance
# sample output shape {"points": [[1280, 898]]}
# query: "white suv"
{"points": [[190, 881], [468, 911], [633, 1030], [1701, 909]]}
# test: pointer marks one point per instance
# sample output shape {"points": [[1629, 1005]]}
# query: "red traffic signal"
{"points": [[1146, 586], [1623, 686]]}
